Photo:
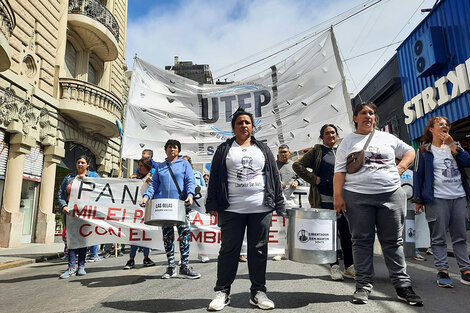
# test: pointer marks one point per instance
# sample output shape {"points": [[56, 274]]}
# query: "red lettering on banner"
{"points": [[123, 215], [96, 217], [197, 238], [273, 220], [111, 215], [133, 232], [198, 219], [138, 214], [272, 236], [213, 220], [145, 238], [209, 237], [81, 230], [82, 213], [219, 237], [99, 227], [111, 232]]}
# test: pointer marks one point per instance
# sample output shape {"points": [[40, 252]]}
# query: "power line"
{"points": [[356, 10], [370, 51], [378, 59]]}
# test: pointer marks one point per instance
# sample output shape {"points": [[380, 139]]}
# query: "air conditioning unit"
{"points": [[429, 52]]}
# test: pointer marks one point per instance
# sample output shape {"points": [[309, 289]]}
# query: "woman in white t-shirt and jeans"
{"points": [[440, 186], [244, 189], [372, 198]]}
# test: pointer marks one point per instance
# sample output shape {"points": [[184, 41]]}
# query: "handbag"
{"points": [[182, 196], [355, 159]]}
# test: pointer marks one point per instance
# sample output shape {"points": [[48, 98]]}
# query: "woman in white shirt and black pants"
{"points": [[244, 189]]}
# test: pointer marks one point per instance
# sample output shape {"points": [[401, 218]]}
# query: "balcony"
{"points": [[7, 24], [94, 108], [97, 27]]}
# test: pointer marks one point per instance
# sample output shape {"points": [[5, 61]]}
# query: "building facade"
{"points": [[434, 63], [62, 86], [197, 72], [384, 90]]}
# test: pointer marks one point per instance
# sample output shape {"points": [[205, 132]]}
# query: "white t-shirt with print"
{"points": [[245, 179], [447, 179], [379, 172]]}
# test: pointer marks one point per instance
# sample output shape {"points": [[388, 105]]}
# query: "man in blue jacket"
{"points": [[163, 186]]}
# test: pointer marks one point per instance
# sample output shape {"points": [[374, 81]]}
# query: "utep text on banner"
{"points": [[106, 210], [290, 101]]}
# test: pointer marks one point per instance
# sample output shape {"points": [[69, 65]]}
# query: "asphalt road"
{"points": [[294, 287]]}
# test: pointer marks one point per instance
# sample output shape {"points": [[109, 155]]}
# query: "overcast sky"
{"points": [[228, 34]]}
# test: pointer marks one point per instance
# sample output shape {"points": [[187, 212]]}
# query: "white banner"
{"points": [[106, 210], [290, 101]]}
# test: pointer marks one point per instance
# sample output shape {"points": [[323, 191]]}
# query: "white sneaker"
{"points": [[350, 272], [204, 258], [277, 257], [221, 299], [335, 273], [262, 301]]}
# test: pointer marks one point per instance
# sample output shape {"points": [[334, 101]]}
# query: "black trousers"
{"points": [[233, 227]]}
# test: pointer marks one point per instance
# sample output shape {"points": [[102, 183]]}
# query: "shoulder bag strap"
{"points": [[174, 180], [368, 140]]}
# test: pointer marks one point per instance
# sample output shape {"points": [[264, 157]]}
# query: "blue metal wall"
{"points": [[454, 18]]}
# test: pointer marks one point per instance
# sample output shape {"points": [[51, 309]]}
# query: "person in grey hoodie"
{"points": [[163, 186]]}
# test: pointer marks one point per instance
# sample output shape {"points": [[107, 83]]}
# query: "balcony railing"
{"points": [[7, 18], [96, 10], [86, 93]]}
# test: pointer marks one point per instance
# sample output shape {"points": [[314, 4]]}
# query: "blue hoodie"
{"points": [[163, 186]]}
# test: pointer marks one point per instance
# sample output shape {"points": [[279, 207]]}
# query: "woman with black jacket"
{"points": [[244, 189]]}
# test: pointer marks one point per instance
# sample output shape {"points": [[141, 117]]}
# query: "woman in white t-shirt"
{"points": [[372, 198], [244, 189], [440, 185]]}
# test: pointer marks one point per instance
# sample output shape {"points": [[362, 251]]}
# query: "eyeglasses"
{"points": [[442, 124]]}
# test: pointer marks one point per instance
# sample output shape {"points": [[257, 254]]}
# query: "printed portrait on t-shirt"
{"points": [[247, 172], [450, 171], [374, 156]]}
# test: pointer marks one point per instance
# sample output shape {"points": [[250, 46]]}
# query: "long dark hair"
{"points": [[427, 135], [322, 129], [358, 108]]}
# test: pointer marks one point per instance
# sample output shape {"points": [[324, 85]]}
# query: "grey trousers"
{"points": [[384, 212], [448, 215]]}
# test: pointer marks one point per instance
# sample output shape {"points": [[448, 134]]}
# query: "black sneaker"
{"points": [[409, 296], [170, 272], [130, 264], [465, 278], [148, 262], [188, 272], [361, 296]]}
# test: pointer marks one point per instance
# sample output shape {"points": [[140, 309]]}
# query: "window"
{"points": [[92, 74], [70, 60]]}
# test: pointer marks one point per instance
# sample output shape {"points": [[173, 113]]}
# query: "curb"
{"points": [[17, 263]]}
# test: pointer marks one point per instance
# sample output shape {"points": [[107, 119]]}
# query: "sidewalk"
{"points": [[29, 253]]}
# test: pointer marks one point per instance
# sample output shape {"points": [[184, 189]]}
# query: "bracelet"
{"points": [[452, 144]]}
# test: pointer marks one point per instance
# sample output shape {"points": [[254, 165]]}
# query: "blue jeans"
{"points": [[386, 213], [81, 257], [134, 251], [451, 215], [93, 251]]}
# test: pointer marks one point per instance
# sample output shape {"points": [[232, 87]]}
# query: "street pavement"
{"points": [[294, 287]]}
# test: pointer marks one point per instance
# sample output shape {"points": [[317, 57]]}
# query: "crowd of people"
{"points": [[359, 179]]}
